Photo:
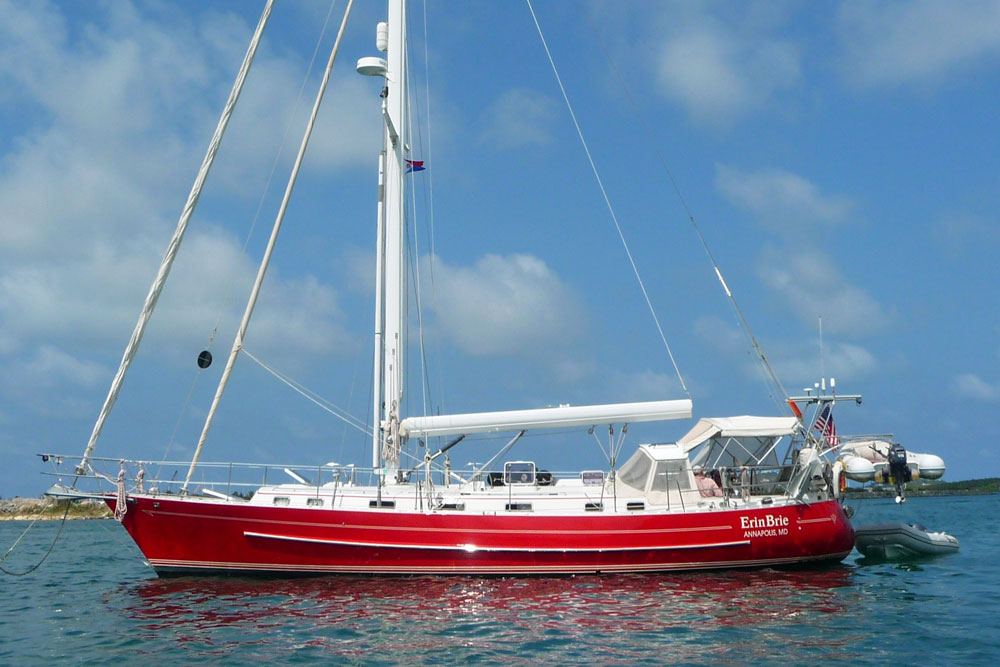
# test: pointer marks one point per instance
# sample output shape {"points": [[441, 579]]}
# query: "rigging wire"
{"points": [[156, 289], [313, 397], [428, 196], [430, 200], [262, 269], [230, 285], [701, 237], [607, 200], [415, 260]]}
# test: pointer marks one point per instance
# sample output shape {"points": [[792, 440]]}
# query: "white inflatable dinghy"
{"points": [[902, 540]]}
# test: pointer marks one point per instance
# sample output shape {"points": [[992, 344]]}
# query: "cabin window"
{"points": [[519, 472], [314, 502], [595, 477], [671, 475], [518, 507], [635, 471], [282, 501]]}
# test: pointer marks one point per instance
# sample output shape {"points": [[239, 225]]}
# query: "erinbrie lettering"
{"points": [[769, 525], [766, 521]]}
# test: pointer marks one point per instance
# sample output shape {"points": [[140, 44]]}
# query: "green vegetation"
{"points": [[969, 487], [39, 508]]}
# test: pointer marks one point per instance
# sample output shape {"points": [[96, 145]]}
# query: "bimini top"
{"points": [[737, 427]]}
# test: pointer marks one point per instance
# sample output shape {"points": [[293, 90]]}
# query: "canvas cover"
{"points": [[737, 427]]}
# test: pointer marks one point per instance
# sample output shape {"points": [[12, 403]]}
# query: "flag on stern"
{"points": [[824, 424]]}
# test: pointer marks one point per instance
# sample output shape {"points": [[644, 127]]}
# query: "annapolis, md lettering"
{"points": [[768, 525]]}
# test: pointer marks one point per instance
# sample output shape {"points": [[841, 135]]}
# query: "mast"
{"points": [[390, 300], [395, 276]]}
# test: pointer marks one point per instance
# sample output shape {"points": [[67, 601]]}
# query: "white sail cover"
{"points": [[561, 417], [737, 427]]}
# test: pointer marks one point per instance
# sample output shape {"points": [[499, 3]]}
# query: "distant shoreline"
{"points": [[921, 488], [30, 509], [857, 494]]}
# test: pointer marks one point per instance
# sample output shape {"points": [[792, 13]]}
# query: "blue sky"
{"points": [[842, 160]]}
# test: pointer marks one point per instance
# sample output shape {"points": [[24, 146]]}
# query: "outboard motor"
{"points": [[898, 470]]}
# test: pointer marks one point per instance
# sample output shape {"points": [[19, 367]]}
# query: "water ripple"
{"points": [[94, 602]]}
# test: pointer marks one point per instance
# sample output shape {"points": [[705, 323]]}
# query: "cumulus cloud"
{"points": [[53, 363], [38, 381], [721, 70], [115, 107], [519, 118], [644, 385], [794, 361], [781, 200], [812, 286], [503, 305], [799, 364], [970, 385], [901, 42]]}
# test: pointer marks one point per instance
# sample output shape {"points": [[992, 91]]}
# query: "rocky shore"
{"points": [[29, 509]]}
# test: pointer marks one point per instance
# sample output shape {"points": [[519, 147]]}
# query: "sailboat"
{"points": [[734, 492]]}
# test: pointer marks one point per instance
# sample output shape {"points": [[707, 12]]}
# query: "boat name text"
{"points": [[766, 521], [768, 525]]}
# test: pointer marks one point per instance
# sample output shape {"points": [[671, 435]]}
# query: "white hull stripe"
{"points": [[471, 548]]}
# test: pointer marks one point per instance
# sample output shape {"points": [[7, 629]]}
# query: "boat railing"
{"points": [[232, 479], [746, 481], [238, 480]]}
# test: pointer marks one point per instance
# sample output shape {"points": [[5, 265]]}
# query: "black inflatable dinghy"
{"points": [[902, 540]]}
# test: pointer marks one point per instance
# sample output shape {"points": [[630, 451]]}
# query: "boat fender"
{"points": [[839, 479]]}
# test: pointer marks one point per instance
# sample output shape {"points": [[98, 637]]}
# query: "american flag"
{"points": [[824, 424]]}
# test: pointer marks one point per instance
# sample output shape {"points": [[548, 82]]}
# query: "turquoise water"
{"points": [[94, 601]]}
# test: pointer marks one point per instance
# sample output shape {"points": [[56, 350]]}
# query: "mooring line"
{"points": [[51, 546]]}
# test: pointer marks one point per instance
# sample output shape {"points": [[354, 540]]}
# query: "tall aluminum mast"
{"points": [[390, 282]]}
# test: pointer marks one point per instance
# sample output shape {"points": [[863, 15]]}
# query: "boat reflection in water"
{"points": [[433, 619]]}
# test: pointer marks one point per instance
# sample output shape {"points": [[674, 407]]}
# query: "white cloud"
{"points": [[52, 363], [44, 381], [796, 362], [800, 363], [781, 200], [719, 71], [720, 335], [812, 287], [644, 385], [519, 118], [899, 42], [969, 385], [503, 305], [92, 181]]}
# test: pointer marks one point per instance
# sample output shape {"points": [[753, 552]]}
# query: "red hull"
{"points": [[191, 536]]}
